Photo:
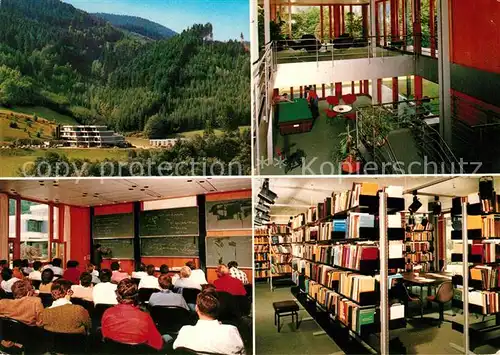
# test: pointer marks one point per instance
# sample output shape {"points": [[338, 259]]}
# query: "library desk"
{"points": [[430, 279], [294, 117]]}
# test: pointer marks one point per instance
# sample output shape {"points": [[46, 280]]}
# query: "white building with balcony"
{"points": [[91, 136]]}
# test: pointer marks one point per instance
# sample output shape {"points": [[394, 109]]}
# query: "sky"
{"points": [[229, 18]]}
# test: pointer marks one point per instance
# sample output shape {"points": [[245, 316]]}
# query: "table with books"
{"points": [[429, 279]]}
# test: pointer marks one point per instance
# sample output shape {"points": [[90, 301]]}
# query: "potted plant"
{"points": [[346, 153], [375, 125]]}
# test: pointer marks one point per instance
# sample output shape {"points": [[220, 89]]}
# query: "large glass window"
{"points": [[34, 230]]}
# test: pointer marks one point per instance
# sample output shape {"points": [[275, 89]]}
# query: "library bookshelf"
{"points": [[476, 237], [419, 245], [342, 252]]}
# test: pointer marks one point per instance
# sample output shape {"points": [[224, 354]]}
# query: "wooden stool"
{"points": [[283, 309]]}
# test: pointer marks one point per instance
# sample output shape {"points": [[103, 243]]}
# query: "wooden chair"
{"points": [[190, 295], [444, 294]]}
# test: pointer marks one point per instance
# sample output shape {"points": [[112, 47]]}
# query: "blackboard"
{"points": [[170, 222], [120, 248], [224, 250], [113, 226], [232, 214], [170, 246]]}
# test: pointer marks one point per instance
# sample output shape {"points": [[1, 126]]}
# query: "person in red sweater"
{"points": [[126, 323], [72, 274], [227, 283]]}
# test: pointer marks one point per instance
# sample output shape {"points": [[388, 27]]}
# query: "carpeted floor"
{"points": [[419, 336]]}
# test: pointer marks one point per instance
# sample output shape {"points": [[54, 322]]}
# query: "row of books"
{"points": [[489, 301], [279, 229], [419, 257], [344, 310], [352, 285], [350, 256], [258, 231], [419, 227], [281, 249], [281, 258], [357, 220], [412, 247], [260, 240], [489, 252], [261, 256], [491, 227], [262, 248], [298, 221], [298, 235], [280, 239], [281, 269], [488, 276], [417, 237]]}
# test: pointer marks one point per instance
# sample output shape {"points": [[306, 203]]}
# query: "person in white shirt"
{"points": [[25, 267], [209, 335], [104, 292], [95, 273], [55, 265], [237, 273], [149, 281], [141, 271], [85, 289], [7, 279], [197, 275], [185, 281], [36, 274]]}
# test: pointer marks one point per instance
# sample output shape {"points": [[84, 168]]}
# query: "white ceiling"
{"points": [[296, 194], [95, 192]]}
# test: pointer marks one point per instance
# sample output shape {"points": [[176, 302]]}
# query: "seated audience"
{"points": [[8, 279], [47, 278], [184, 280], [104, 292], [117, 275], [95, 274], [55, 265], [72, 273], [164, 269], [141, 271], [166, 297], [85, 289], [227, 283], [36, 274], [209, 335], [126, 323], [149, 281], [197, 275], [24, 307], [25, 267], [16, 269], [62, 316], [237, 273]]}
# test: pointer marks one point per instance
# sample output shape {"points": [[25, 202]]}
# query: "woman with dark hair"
{"points": [[85, 288], [47, 278], [8, 279], [138, 328]]}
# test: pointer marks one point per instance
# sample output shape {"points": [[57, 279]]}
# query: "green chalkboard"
{"points": [[231, 214], [224, 250], [120, 248], [113, 226], [170, 222], [170, 246]]}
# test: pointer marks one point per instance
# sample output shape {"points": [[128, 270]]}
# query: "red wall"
{"points": [[170, 261], [471, 110], [475, 31], [80, 234], [126, 265], [114, 209]]}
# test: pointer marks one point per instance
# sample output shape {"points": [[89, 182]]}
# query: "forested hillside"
{"points": [[138, 25], [59, 57]]}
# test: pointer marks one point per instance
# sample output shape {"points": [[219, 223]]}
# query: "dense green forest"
{"points": [[137, 25], [56, 56]]}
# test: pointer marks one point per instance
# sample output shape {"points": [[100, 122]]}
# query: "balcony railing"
{"points": [[312, 50]]}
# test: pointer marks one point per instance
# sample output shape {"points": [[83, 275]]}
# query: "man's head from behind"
{"points": [[22, 288], [60, 289], [56, 262], [85, 279], [115, 266], [207, 305], [165, 282], [232, 264], [185, 272], [150, 270], [222, 270], [164, 269], [105, 275], [126, 292], [191, 265]]}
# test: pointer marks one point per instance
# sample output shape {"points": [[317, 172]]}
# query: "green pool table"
{"points": [[294, 117]]}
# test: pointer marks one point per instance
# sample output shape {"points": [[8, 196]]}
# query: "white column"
{"points": [[254, 57], [267, 20], [374, 86], [254, 31], [373, 28], [384, 275]]}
